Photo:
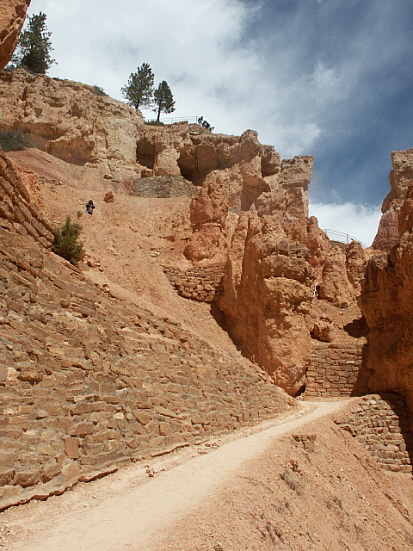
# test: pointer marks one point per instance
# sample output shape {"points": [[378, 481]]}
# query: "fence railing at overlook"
{"points": [[342, 237], [170, 120]]}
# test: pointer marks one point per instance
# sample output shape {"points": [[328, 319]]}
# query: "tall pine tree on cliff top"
{"points": [[163, 99], [139, 90], [34, 46]]}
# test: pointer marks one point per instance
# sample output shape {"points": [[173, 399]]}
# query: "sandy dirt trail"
{"points": [[125, 514]]}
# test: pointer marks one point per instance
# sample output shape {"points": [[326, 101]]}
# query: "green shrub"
{"points": [[14, 140], [155, 123], [99, 91], [66, 242]]}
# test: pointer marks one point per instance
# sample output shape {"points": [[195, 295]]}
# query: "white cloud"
{"points": [[358, 221], [201, 48]]}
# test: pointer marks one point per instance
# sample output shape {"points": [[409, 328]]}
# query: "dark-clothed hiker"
{"points": [[89, 207]]}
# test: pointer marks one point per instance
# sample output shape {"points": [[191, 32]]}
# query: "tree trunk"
{"points": [[159, 110]]}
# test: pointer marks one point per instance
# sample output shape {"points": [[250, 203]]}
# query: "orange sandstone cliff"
{"points": [[12, 16]]}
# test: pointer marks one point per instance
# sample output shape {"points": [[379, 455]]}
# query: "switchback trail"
{"points": [[125, 511]]}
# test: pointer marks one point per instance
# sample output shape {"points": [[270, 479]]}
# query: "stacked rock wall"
{"points": [[380, 423], [162, 187], [199, 283], [16, 207], [335, 370]]}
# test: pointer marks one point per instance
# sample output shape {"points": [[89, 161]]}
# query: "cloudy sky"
{"points": [[329, 78]]}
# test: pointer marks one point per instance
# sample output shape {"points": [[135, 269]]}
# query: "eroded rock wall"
{"points": [[12, 16], [387, 295], [400, 178], [386, 302], [248, 214]]}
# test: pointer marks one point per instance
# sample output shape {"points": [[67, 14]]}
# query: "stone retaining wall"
{"points": [[335, 370], [16, 208], [163, 187], [381, 424], [197, 283], [89, 381]]}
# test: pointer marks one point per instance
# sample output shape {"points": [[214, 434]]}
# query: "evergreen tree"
{"points": [[139, 90], [34, 46], [163, 99]]}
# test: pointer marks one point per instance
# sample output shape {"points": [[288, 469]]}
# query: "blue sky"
{"points": [[329, 78]]}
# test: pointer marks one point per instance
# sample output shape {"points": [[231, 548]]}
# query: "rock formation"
{"points": [[12, 16], [71, 121], [89, 379], [247, 211], [400, 179], [387, 294]]}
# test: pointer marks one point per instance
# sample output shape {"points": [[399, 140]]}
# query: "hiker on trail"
{"points": [[89, 207]]}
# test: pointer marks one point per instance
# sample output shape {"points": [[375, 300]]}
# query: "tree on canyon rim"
{"points": [[139, 90], [163, 99], [34, 46]]}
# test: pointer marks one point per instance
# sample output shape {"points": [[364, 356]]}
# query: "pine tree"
{"points": [[139, 90], [34, 46], [163, 99]]}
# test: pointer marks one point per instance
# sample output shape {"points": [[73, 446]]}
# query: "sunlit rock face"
{"points": [[69, 120], [12, 16], [269, 279], [401, 178]]}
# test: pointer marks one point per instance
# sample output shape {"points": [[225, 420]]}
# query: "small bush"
{"points": [[14, 140], [66, 242], [155, 123], [99, 91]]}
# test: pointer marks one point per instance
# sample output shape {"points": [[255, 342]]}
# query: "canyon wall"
{"points": [[90, 381], [387, 294], [12, 17], [248, 215], [400, 179]]}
